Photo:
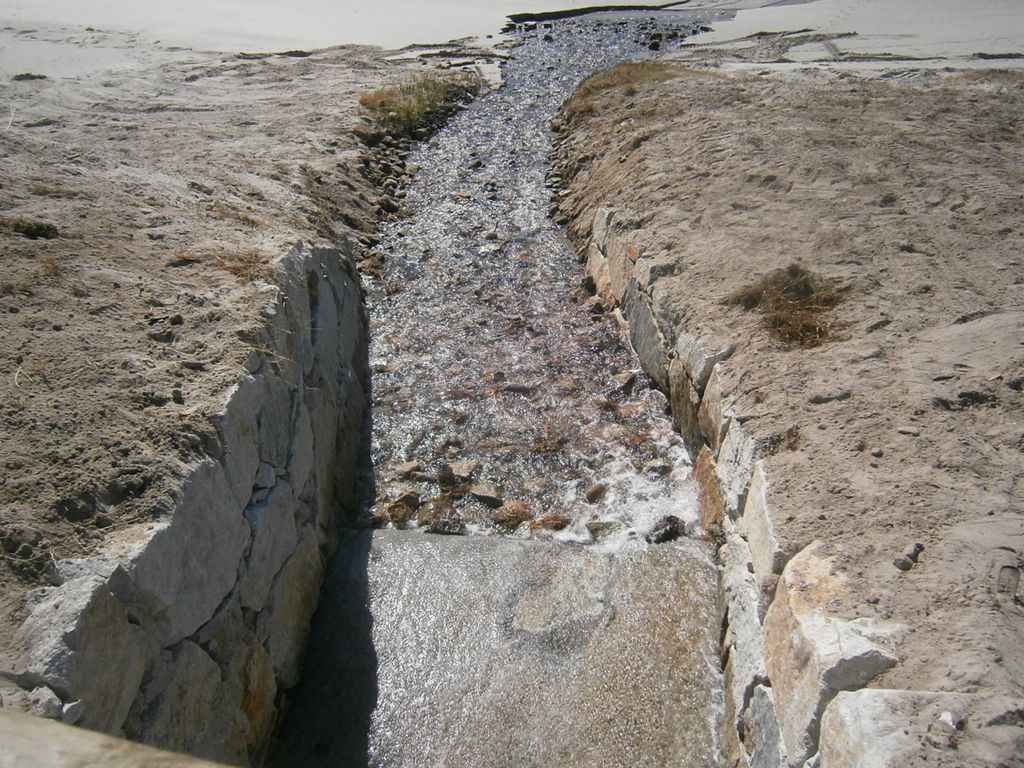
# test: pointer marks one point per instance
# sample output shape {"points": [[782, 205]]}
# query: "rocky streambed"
{"points": [[574, 621]]}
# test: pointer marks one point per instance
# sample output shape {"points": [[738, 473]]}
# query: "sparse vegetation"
{"points": [[419, 104], [43, 190], [628, 76], [34, 230], [224, 212], [248, 265], [14, 288], [22, 76], [793, 303], [50, 269]]}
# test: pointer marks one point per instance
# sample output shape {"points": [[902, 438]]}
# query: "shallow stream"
{"points": [[481, 345], [570, 640]]}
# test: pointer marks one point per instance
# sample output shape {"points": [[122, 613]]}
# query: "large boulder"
{"points": [[810, 655]]}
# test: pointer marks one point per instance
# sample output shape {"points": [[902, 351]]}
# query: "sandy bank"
{"points": [[173, 186], [905, 428]]}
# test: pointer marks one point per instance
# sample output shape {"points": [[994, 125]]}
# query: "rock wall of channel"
{"points": [[185, 631], [784, 658]]}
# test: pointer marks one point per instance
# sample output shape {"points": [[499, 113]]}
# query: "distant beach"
{"points": [[268, 25]]}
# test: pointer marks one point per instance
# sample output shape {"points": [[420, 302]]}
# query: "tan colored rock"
{"points": [[620, 267], [291, 607], [255, 674], [645, 335], [433, 510], [324, 416], [207, 528], [465, 469], [487, 493], [599, 529], [401, 510], [744, 642], [174, 711], [761, 731], [404, 470], [239, 432], [276, 422], [301, 452], [274, 539], [511, 514], [79, 641], [715, 412], [811, 656], [891, 729], [711, 507], [33, 741], [603, 218], [734, 753], [597, 270], [39, 702], [550, 521], [699, 358], [758, 529], [399, 513], [595, 492], [684, 399], [734, 466]]}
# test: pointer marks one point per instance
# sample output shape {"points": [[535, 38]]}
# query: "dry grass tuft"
{"points": [[34, 230], [15, 288], [233, 214], [421, 103], [629, 76], [59, 193], [793, 303], [248, 265], [50, 269]]}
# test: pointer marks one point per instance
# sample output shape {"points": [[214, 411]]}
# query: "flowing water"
{"points": [[584, 645], [482, 349]]}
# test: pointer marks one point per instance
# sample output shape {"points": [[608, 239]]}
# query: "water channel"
{"points": [[569, 639]]}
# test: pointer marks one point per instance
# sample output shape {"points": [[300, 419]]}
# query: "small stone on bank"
{"points": [[913, 551], [401, 510]]}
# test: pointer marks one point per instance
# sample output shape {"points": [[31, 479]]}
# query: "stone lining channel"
{"points": [[506, 407]]}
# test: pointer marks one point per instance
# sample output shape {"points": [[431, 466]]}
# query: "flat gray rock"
{"points": [[487, 651]]}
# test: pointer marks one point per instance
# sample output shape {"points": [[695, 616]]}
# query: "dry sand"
{"points": [[174, 180]]}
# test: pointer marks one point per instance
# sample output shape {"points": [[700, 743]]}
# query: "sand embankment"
{"points": [[872, 484]]}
